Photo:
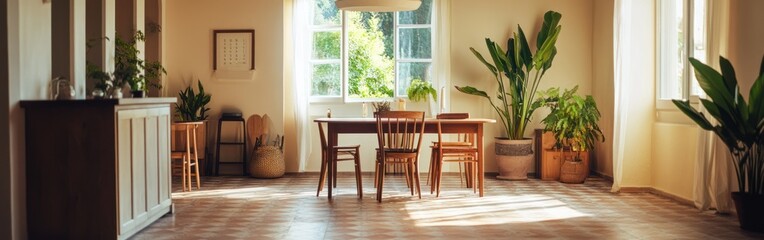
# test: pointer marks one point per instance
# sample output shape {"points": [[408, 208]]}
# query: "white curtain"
{"points": [[714, 172], [622, 49], [301, 75], [442, 54]]}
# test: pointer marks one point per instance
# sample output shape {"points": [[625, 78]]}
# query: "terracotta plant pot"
{"points": [[513, 158], [750, 211]]}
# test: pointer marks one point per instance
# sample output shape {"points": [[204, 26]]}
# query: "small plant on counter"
{"points": [[130, 68], [192, 106]]}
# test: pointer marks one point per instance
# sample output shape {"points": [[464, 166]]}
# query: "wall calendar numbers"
{"points": [[234, 50]]}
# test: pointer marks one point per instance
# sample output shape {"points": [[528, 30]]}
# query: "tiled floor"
{"points": [[287, 208]]}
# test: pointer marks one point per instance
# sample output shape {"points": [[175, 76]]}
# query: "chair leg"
{"points": [[376, 174], [188, 174], [463, 180], [196, 162], [357, 161], [429, 171], [183, 172], [322, 174], [381, 179], [416, 177], [434, 168], [410, 171], [198, 181], [334, 173], [440, 176]]}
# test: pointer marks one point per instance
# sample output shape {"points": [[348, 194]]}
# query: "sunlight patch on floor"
{"points": [[459, 211], [225, 193]]}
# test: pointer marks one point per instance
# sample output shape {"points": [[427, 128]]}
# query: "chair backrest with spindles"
{"points": [[400, 130]]}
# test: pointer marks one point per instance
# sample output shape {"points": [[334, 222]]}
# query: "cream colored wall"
{"points": [[746, 41], [188, 56], [602, 83], [674, 156], [473, 21], [29, 68]]}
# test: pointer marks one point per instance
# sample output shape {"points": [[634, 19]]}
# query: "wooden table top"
{"points": [[427, 120]]}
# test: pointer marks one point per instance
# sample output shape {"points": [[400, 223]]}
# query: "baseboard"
{"points": [[602, 175], [660, 193]]}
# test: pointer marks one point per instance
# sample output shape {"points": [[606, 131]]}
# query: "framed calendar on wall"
{"points": [[233, 50]]}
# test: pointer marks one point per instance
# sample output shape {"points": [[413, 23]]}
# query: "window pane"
{"points": [[412, 70], [414, 43], [326, 45], [326, 13], [371, 61], [673, 55], [326, 80], [419, 16], [699, 45]]}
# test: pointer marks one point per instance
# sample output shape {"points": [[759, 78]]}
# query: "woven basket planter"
{"points": [[267, 162], [573, 172]]}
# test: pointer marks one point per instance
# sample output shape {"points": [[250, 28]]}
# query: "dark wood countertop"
{"points": [[94, 102]]}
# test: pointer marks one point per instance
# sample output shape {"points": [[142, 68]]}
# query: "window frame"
{"points": [[689, 40], [344, 57]]}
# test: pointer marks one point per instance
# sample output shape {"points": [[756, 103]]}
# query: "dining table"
{"points": [[341, 125]]}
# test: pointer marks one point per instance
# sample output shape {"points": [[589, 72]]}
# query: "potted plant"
{"points": [[192, 107], [740, 126], [421, 91], [573, 121], [131, 69], [518, 74]]}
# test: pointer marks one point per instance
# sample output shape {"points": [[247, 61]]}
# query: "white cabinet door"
{"points": [[144, 166]]}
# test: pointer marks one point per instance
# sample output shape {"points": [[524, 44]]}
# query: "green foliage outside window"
{"points": [[371, 51]]}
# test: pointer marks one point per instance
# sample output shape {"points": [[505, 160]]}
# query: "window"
{"points": [[368, 55], [682, 34]]}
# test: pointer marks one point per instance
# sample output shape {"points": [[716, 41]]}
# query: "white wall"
{"points": [[473, 21], [29, 45], [188, 56]]}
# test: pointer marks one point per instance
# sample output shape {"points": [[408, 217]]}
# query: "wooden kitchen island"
{"points": [[96, 169]]}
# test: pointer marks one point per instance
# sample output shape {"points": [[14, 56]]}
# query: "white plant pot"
{"points": [[513, 158]]}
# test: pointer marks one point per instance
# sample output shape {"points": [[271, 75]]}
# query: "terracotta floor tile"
{"points": [[287, 208]]}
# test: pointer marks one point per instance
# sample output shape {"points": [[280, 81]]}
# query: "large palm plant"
{"points": [[740, 125], [518, 74]]}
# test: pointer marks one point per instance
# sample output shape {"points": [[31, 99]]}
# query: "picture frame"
{"points": [[233, 50]]}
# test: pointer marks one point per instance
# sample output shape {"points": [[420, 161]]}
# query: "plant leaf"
{"points": [[472, 91], [480, 57], [696, 116], [551, 20]]}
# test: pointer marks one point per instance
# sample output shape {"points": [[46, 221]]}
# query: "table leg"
{"points": [[331, 164], [481, 160]]}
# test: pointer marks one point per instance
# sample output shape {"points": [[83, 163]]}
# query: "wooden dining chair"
{"points": [[461, 152], [341, 153], [189, 157], [464, 140], [399, 134]]}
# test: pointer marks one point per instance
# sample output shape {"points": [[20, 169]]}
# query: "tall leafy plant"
{"points": [[518, 73], [192, 106], [739, 125], [573, 119], [130, 68]]}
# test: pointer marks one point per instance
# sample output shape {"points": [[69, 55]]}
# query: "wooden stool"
{"points": [[189, 158]]}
